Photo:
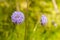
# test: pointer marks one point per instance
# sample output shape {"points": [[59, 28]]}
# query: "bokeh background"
{"points": [[35, 9], [32, 9]]}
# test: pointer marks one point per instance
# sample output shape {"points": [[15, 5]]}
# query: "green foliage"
{"points": [[32, 9]]}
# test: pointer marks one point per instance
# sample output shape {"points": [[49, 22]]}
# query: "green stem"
{"points": [[26, 37], [17, 5], [36, 25]]}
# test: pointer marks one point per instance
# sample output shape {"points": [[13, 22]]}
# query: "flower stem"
{"points": [[17, 5], [36, 25]]}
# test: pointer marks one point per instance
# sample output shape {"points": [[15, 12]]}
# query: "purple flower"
{"points": [[17, 17], [43, 20]]}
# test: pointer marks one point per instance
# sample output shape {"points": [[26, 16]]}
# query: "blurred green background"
{"points": [[32, 9]]}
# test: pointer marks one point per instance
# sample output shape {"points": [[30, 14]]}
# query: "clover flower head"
{"points": [[53, 22], [17, 17], [55, 25]]}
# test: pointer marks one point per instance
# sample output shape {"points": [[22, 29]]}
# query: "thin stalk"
{"points": [[26, 24], [55, 6], [36, 25], [17, 5]]}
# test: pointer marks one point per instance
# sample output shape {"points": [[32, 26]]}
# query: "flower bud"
{"points": [[43, 20]]}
